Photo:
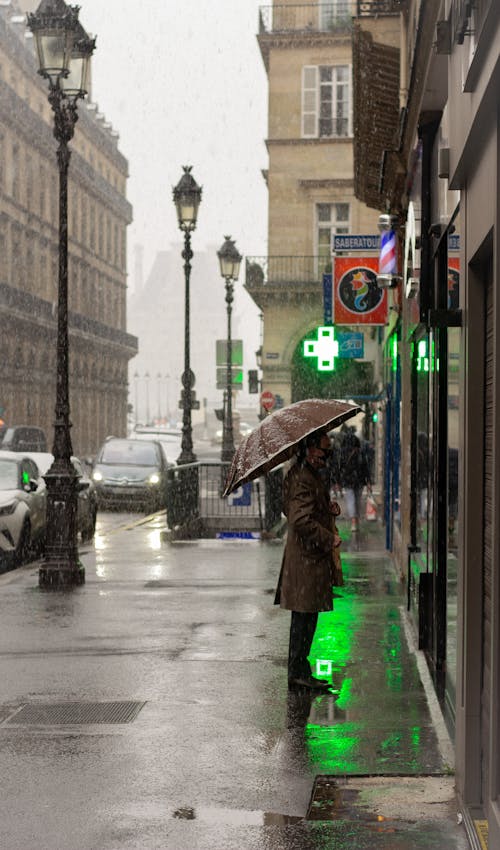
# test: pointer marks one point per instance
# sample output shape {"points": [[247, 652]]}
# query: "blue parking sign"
{"points": [[241, 497]]}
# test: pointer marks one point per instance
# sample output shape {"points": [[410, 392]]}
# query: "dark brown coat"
{"points": [[305, 582]]}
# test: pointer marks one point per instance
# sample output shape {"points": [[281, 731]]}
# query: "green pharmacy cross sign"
{"points": [[325, 348]]}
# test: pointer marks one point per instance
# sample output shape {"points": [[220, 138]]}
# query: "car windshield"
{"points": [[133, 453], [8, 475]]}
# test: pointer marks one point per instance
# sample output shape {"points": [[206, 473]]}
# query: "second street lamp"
{"points": [[230, 260], [187, 199], [64, 50]]}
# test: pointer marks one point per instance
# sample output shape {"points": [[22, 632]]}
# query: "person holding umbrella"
{"points": [[310, 560], [307, 572]]}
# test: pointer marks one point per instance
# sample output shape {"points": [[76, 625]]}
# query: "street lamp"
{"points": [[187, 199], [146, 382], [229, 259], [136, 389], [64, 50]]}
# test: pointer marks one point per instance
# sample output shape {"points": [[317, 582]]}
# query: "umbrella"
{"points": [[276, 438]]}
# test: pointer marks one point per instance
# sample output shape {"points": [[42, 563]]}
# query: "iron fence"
{"points": [[321, 17], [261, 271], [194, 498]]}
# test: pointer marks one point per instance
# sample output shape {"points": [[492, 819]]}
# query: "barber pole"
{"points": [[387, 262], [387, 277]]}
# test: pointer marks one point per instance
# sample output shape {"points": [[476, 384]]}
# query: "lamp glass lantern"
{"points": [[54, 26], [76, 83], [229, 259], [187, 199]]}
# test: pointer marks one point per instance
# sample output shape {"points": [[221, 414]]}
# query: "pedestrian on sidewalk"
{"points": [[355, 475], [307, 571]]}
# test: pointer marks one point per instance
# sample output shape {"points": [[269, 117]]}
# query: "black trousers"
{"points": [[302, 628]]}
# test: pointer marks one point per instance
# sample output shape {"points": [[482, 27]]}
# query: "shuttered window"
{"points": [[326, 101]]}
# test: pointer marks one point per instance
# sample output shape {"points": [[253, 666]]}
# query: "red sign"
{"points": [[357, 299], [267, 400]]}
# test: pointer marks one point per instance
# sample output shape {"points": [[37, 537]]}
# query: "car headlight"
{"points": [[6, 510], [154, 478], [97, 476]]}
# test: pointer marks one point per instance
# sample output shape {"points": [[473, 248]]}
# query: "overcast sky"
{"points": [[183, 82]]}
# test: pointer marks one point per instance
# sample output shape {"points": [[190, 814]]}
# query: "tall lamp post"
{"points": [[187, 199], [64, 50], [230, 260]]}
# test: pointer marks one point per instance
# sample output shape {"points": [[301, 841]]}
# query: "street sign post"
{"points": [[236, 378], [267, 400], [236, 352]]}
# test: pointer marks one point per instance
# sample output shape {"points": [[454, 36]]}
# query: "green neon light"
{"points": [[426, 363], [422, 356], [325, 348], [394, 354], [26, 478]]}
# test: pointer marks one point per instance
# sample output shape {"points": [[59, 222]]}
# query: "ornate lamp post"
{"points": [[146, 384], [229, 259], [187, 199], [136, 396], [64, 50]]}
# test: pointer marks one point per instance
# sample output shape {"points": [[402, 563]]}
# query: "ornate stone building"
{"points": [[307, 51], [99, 213]]}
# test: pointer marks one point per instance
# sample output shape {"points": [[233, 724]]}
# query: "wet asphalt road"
{"points": [[220, 755]]}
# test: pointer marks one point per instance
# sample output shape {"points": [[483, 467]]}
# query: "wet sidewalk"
{"points": [[149, 709]]}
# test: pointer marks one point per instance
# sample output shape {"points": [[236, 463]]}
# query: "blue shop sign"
{"points": [[327, 299], [351, 344], [356, 242]]}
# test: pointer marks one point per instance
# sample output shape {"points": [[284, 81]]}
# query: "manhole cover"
{"points": [[54, 714]]}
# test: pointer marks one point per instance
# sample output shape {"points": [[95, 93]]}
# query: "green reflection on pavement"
{"points": [[331, 746], [392, 651]]}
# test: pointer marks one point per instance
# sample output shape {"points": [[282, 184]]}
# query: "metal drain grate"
{"points": [[54, 714]]}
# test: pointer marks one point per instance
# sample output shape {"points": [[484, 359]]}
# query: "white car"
{"points": [[22, 507]]}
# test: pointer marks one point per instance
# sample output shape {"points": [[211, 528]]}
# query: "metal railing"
{"points": [[194, 499], [262, 271], [321, 17]]}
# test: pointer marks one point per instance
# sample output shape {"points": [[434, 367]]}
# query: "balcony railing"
{"points": [[321, 17], [268, 271]]}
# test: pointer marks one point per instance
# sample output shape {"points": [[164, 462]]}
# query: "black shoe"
{"points": [[309, 682]]}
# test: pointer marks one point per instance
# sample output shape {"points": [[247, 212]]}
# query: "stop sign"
{"points": [[267, 400]]}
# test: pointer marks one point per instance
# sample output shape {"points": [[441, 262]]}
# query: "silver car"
{"points": [[22, 508]]}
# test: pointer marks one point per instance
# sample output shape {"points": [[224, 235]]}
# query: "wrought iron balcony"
{"points": [[285, 271], [321, 17]]}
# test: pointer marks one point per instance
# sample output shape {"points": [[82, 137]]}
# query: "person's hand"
{"points": [[335, 508], [337, 540]]}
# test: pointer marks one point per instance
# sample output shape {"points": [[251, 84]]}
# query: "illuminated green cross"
{"points": [[325, 348]]}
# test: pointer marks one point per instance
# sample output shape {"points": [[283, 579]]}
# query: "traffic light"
{"points": [[375, 416], [253, 381]]}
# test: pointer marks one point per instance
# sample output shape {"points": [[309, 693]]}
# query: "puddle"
{"points": [[234, 817]]}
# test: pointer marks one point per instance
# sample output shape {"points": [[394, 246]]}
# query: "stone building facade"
{"points": [[307, 52], [98, 216]]}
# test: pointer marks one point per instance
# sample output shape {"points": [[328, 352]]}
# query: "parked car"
{"points": [[87, 494], [22, 508], [24, 438], [131, 473]]}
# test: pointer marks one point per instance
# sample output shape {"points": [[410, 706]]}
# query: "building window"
{"points": [[331, 219], [326, 101], [331, 14]]}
